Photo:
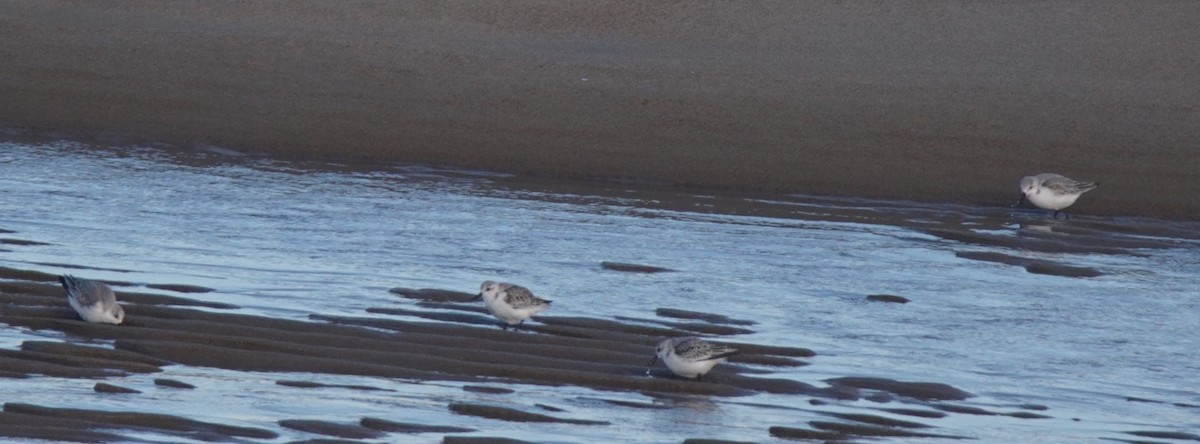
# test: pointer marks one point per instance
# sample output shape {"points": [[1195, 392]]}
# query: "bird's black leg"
{"points": [[504, 326], [1066, 215], [1055, 215], [699, 377]]}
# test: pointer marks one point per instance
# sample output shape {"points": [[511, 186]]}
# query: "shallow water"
{"points": [[288, 240]]}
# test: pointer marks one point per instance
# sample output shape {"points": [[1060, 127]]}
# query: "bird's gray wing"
{"points": [[87, 292], [692, 349], [1066, 185], [520, 297], [695, 349], [721, 351]]}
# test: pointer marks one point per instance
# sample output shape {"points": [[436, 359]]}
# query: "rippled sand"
{"points": [[443, 337], [271, 299], [466, 346]]}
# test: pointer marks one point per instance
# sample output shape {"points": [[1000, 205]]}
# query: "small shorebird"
{"points": [[93, 300], [1053, 191], [511, 304], [690, 357]]}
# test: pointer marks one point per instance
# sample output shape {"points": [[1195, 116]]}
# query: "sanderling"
{"points": [[690, 357], [511, 304], [1053, 191], [93, 300]]}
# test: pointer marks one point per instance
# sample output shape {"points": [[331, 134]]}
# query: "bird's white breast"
{"points": [[1047, 199], [689, 369]]}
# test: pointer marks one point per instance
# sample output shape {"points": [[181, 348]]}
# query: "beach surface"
{"points": [[936, 102], [304, 302]]}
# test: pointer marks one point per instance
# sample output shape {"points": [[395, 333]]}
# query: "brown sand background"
{"points": [[932, 101]]}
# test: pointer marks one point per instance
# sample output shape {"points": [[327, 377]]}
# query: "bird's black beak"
{"points": [[1019, 202], [477, 297], [652, 361]]}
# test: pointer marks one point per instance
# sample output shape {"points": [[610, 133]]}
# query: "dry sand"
{"points": [[932, 101]]}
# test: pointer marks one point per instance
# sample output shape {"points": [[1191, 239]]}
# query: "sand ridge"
{"points": [[440, 336], [608, 356]]}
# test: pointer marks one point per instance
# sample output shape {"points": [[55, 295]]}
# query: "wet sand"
{"points": [[438, 335], [595, 353], [946, 102]]}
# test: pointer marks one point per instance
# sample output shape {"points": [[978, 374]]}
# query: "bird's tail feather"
{"points": [[725, 353], [67, 282]]}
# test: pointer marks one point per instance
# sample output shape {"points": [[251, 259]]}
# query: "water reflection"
{"points": [[289, 240]]}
